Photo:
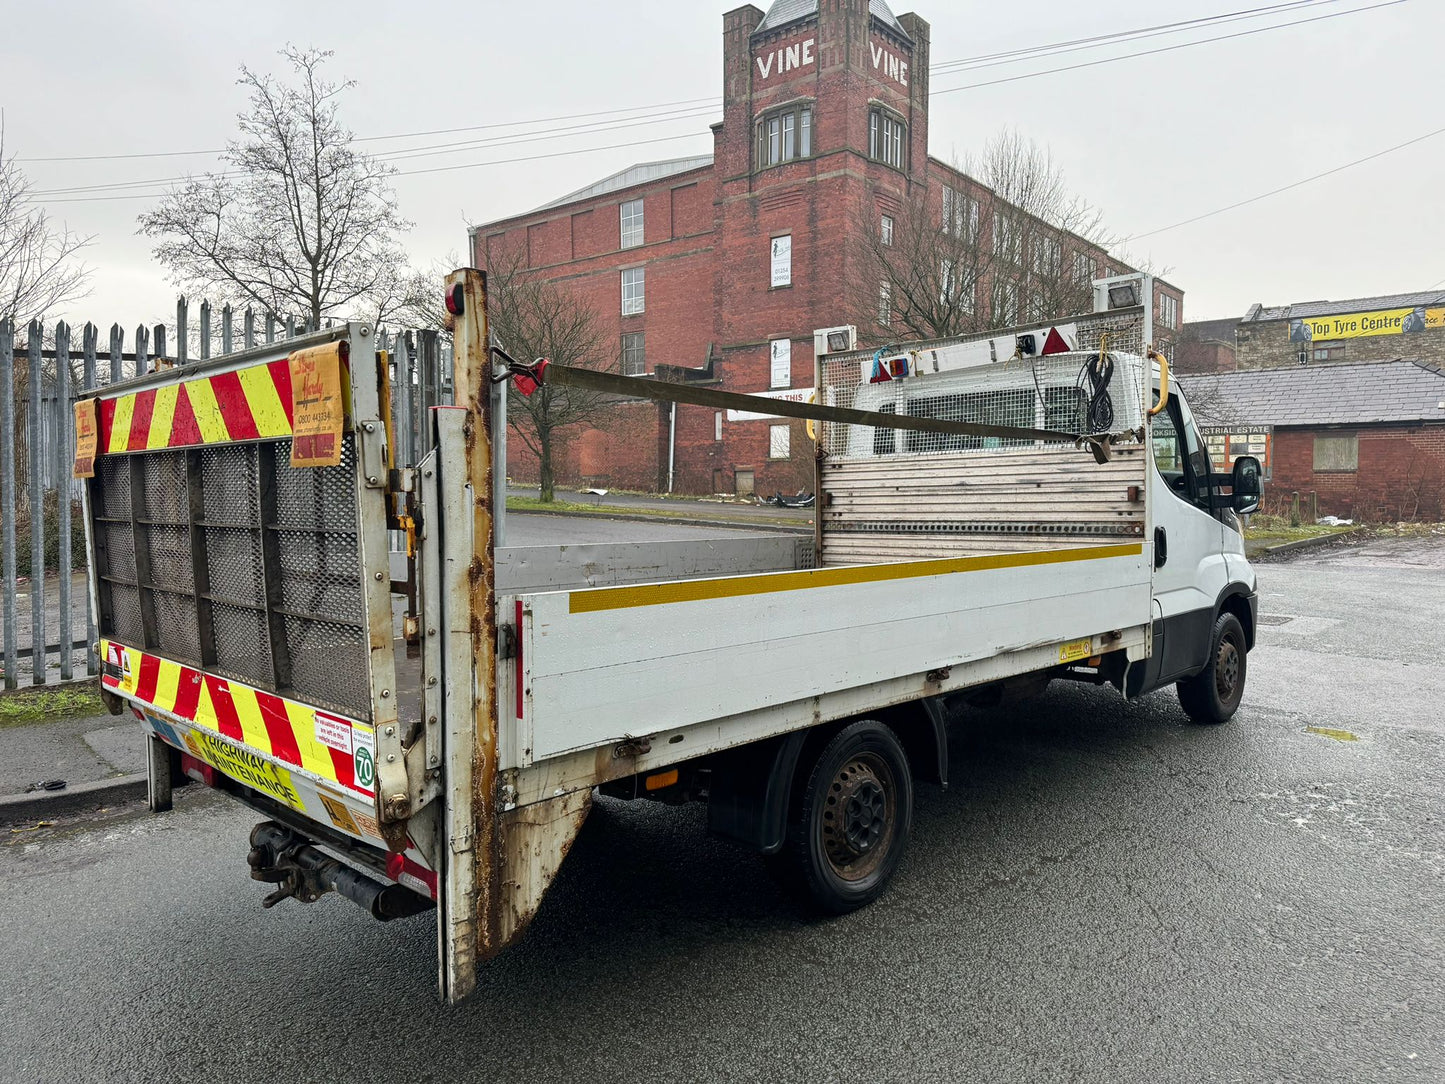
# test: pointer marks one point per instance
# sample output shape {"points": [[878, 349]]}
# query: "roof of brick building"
{"points": [[638, 174], [1215, 330], [1383, 391], [784, 12], [1303, 309]]}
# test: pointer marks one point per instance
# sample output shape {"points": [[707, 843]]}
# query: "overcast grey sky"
{"points": [[1152, 140]]}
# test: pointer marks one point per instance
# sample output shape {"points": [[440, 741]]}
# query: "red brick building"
{"points": [[1365, 440], [720, 268]]}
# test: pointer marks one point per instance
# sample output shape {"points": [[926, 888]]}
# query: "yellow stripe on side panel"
{"points": [[208, 412], [314, 757], [120, 424], [162, 415], [617, 598], [248, 710], [205, 710], [264, 401], [168, 685]]}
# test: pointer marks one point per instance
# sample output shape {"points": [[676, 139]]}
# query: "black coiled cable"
{"points": [[1094, 380]]}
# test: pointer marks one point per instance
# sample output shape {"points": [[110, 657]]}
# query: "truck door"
{"points": [[1189, 565]]}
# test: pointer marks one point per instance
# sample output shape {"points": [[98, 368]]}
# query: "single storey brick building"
{"points": [[719, 268], [1367, 438]]}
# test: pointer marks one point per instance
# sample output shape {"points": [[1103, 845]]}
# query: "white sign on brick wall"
{"points": [[782, 368], [783, 260]]}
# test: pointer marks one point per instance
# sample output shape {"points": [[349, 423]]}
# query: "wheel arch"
{"points": [[1240, 601], [755, 788]]}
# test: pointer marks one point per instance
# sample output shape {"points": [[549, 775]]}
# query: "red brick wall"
{"points": [[1193, 356], [1401, 474]]}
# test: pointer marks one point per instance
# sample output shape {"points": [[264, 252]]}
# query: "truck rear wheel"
{"points": [[1213, 695], [851, 823]]}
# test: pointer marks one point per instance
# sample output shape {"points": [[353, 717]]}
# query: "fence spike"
{"points": [[205, 330], [117, 347], [248, 328], [270, 327], [64, 564], [35, 499], [183, 330], [7, 500], [160, 341], [226, 328], [142, 350]]}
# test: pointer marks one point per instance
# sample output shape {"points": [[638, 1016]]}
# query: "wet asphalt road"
{"points": [[1106, 893]]}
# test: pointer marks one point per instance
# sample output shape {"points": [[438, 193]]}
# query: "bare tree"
{"points": [[533, 317], [1006, 243], [302, 221], [40, 269]]}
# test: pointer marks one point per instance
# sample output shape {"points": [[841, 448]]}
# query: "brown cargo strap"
{"points": [[546, 372]]}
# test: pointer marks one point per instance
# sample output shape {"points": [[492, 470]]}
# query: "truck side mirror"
{"points": [[1247, 484]]}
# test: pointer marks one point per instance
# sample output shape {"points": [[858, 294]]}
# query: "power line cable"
{"points": [[502, 141], [1097, 41], [1163, 49], [1288, 187], [1024, 53]]}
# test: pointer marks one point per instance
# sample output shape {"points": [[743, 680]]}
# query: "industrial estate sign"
{"points": [[1360, 325]]}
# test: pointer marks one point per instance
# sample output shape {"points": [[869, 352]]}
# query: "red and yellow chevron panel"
{"points": [[328, 747], [248, 404]]}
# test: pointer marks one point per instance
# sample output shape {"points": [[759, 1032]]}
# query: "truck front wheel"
{"points": [[1213, 695], [850, 824]]}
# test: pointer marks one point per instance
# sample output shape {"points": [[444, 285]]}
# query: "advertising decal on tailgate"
{"points": [[326, 746]]}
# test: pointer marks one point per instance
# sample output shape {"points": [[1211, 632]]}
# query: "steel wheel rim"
{"points": [[859, 815], [1226, 668]]}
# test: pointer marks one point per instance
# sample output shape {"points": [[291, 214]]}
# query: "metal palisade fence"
{"points": [[45, 610]]}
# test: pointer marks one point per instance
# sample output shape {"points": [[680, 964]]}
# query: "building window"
{"points": [[779, 441], [947, 287], [1005, 303], [782, 261], [885, 230], [634, 355], [1005, 237], [1339, 454], [1168, 311], [632, 223], [1334, 351], [885, 303], [1083, 267], [785, 134], [1048, 257], [717, 427], [886, 137], [633, 290]]}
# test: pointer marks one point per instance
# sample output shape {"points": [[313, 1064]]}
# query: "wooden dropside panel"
{"points": [[896, 508]]}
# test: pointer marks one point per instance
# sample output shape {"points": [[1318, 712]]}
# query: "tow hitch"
{"points": [[281, 857]]}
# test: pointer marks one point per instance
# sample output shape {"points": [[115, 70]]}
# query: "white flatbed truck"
{"points": [[237, 522]]}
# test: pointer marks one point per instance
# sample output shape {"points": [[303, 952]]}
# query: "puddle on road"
{"points": [[1332, 732]]}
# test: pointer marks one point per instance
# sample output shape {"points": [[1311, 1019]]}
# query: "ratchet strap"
{"points": [[544, 372]]}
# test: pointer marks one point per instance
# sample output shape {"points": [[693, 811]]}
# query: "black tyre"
{"points": [[850, 824], [1213, 695]]}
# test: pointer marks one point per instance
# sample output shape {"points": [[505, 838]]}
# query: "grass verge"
{"points": [[49, 703]]}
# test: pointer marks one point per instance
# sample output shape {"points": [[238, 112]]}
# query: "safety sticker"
{"points": [[1079, 649], [334, 732], [364, 739], [245, 766], [340, 815]]}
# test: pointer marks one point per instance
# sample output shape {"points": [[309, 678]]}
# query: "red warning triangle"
{"points": [[1055, 343]]}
